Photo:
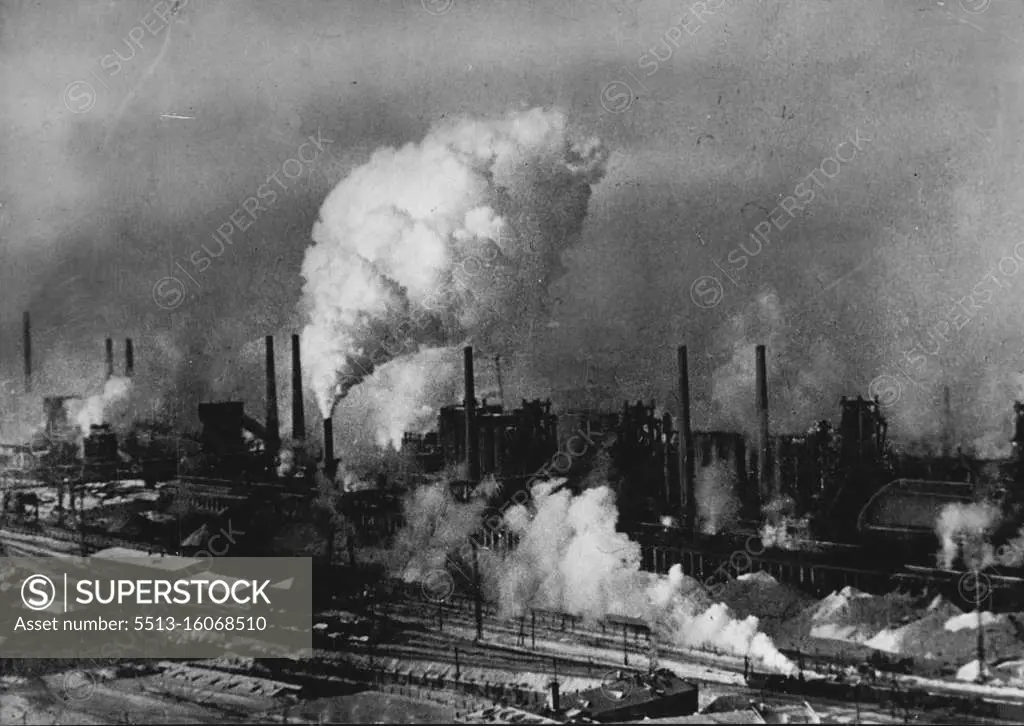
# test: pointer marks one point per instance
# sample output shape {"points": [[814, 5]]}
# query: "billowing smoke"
{"points": [[99, 408], [1011, 554], [405, 394], [718, 506], [286, 459], [415, 250], [781, 528], [695, 622], [803, 381], [295, 455], [570, 558], [436, 525], [965, 530]]}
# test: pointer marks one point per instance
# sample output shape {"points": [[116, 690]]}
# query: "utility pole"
{"points": [[983, 674], [653, 663], [478, 593]]}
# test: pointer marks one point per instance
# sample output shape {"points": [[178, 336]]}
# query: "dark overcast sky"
{"points": [[100, 204]]}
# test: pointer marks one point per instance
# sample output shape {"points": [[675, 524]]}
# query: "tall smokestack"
{"points": [[298, 412], [27, 349], [329, 447], [763, 479], [110, 358], [472, 440], [686, 453], [273, 424], [947, 424], [129, 358]]}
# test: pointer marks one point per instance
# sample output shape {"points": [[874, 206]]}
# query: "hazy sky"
{"points": [[104, 191]]}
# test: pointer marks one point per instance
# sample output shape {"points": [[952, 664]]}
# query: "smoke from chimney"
{"points": [[802, 382], [98, 409], [416, 248], [329, 446]]}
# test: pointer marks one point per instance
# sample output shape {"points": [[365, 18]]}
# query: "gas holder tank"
{"points": [[901, 516]]}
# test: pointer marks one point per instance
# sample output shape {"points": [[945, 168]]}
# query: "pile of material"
{"points": [[763, 596], [945, 637], [848, 616]]}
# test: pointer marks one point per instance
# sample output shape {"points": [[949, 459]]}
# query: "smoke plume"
{"points": [[405, 394], [436, 525], [415, 249], [965, 530], [570, 558], [803, 380], [98, 409], [717, 503]]}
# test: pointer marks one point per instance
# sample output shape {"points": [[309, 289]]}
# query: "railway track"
{"points": [[14, 531], [628, 637]]}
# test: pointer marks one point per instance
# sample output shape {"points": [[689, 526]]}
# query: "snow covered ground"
{"points": [[937, 635]]}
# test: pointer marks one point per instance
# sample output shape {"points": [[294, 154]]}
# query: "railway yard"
{"points": [[394, 649]]}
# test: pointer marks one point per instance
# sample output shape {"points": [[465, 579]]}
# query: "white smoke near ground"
{"points": [[782, 528], [286, 460], [718, 505], [398, 240], [99, 408], [571, 558], [61, 366], [1011, 554], [788, 533], [294, 455], [802, 380], [965, 531], [690, 624], [436, 526]]}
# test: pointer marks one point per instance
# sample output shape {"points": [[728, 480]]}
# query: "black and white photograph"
{"points": [[511, 361]]}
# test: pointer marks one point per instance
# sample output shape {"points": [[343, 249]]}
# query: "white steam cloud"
{"points": [[965, 530], [403, 242], [717, 504], [405, 394], [97, 409], [571, 558]]}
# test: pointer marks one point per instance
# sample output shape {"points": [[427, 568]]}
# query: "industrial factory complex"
{"points": [[550, 364], [858, 519]]}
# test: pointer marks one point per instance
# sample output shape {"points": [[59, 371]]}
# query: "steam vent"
{"points": [[437, 361]]}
